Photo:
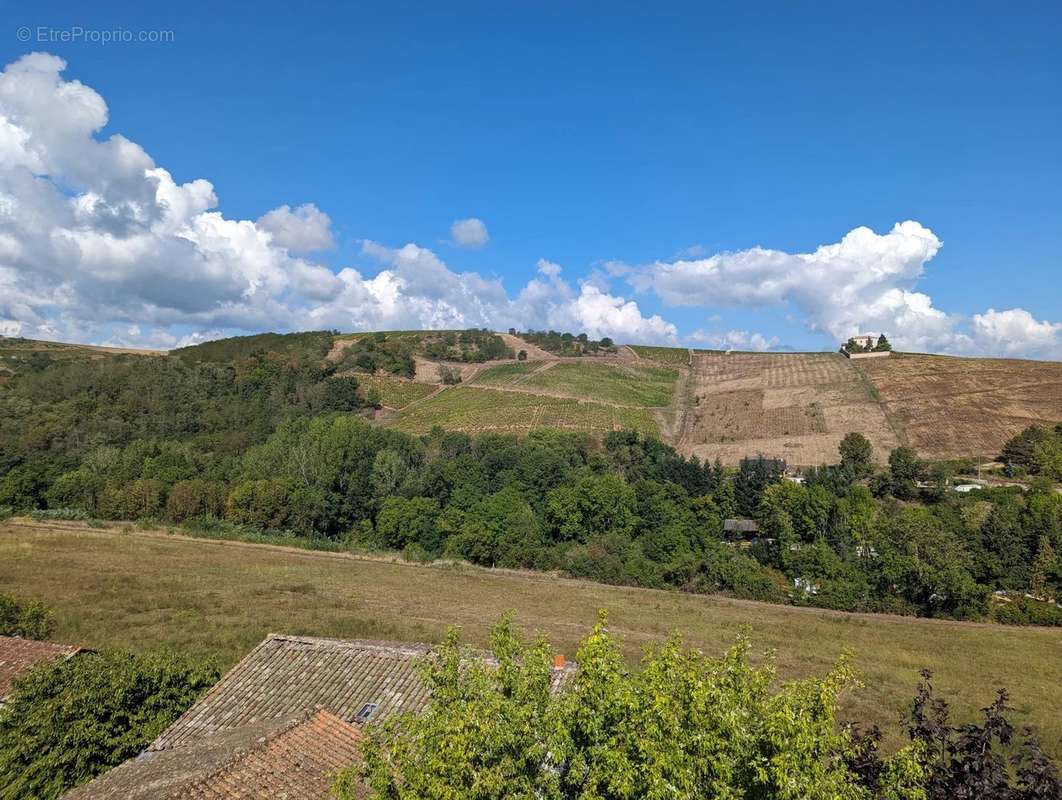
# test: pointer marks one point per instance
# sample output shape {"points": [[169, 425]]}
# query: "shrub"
{"points": [[685, 726], [1026, 611], [30, 620], [69, 720]]}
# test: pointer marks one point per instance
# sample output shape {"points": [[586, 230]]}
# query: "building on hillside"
{"points": [[774, 465], [740, 527], [865, 340], [266, 715], [866, 345], [18, 656]]}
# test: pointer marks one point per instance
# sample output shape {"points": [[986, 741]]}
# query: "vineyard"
{"points": [[677, 356], [792, 406], [393, 392], [966, 407], [477, 410]]}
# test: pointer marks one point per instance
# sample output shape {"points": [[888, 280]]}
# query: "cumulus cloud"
{"points": [[99, 243], [735, 340], [1016, 332], [865, 282], [469, 232], [304, 230]]}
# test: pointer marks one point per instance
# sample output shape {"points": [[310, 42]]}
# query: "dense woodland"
{"points": [[258, 434]]}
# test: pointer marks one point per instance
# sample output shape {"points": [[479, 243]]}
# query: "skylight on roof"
{"points": [[367, 711]]}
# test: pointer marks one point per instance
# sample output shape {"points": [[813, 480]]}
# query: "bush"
{"points": [[30, 620], [67, 721], [685, 726], [44, 514], [1026, 611]]}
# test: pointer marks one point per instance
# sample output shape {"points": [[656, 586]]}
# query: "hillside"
{"points": [[711, 404], [145, 589]]}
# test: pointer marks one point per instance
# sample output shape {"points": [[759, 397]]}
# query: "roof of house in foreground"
{"points": [[272, 689], [18, 656], [293, 759]]}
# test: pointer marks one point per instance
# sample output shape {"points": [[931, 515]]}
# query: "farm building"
{"points": [[865, 340], [278, 724], [740, 526], [18, 656], [776, 465]]}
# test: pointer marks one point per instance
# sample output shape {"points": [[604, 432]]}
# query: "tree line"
{"points": [[271, 441]]}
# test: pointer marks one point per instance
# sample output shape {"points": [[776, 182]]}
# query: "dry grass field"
{"points": [[478, 410], [217, 599], [796, 406], [960, 407]]}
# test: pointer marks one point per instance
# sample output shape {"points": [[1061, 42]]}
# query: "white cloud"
{"points": [[99, 243], [469, 232], [1015, 332], [735, 340], [865, 282], [304, 230]]}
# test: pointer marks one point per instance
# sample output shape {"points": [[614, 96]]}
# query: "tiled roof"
{"points": [[259, 701], [295, 759], [19, 655], [297, 762], [285, 676]]}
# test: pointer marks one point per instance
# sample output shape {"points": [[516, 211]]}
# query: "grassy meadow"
{"points": [[217, 599]]}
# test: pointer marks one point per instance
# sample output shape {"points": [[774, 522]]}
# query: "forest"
{"points": [[260, 434]]}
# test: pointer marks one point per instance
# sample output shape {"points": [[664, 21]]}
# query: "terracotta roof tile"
{"points": [[289, 675], [298, 762], [20, 655], [263, 699]]}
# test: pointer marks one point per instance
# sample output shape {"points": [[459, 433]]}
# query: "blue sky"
{"points": [[604, 138]]}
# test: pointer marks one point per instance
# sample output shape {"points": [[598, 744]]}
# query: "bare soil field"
{"points": [[792, 406], [961, 407]]}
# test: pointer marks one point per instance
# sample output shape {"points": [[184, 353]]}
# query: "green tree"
{"points": [[684, 726], [30, 620], [408, 520], [594, 505], [67, 721], [857, 454], [905, 470]]}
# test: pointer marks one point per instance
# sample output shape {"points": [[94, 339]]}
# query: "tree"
{"points": [[450, 376], [684, 726], [883, 345], [857, 454], [594, 505], [905, 469], [69, 720], [341, 394], [30, 620], [403, 521], [606, 343]]}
